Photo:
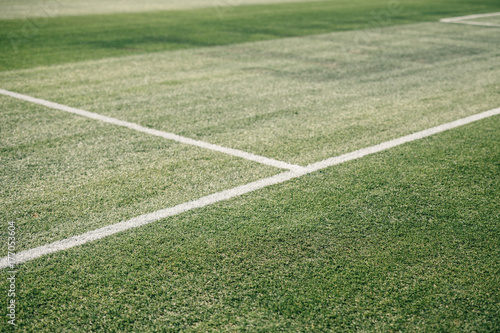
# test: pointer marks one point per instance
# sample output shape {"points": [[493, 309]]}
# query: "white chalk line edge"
{"points": [[460, 20], [150, 131], [135, 222]]}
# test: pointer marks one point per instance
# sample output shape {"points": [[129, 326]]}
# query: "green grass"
{"points": [[63, 175], [300, 100], [490, 19], [76, 38], [406, 240]]}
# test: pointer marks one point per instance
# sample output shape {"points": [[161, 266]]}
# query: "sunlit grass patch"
{"points": [[62, 175], [26, 43], [405, 240], [300, 100], [401, 241]]}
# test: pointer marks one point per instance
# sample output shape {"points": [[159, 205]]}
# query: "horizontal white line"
{"points": [[166, 135], [235, 192], [468, 17]]}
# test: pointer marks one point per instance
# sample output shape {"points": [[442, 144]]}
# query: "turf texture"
{"points": [[406, 240], [42, 41]]}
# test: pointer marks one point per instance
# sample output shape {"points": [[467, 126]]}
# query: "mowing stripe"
{"points": [[90, 236], [166, 135], [459, 20]]}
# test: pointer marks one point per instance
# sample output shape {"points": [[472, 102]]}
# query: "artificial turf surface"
{"points": [[490, 19], [299, 100], [28, 42], [404, 240], [63, 175], [307, 102]]}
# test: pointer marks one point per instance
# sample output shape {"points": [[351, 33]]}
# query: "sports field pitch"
{"points": [[250, 165]]}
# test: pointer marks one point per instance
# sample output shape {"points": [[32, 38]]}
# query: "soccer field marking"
{"points": [[94, 235], [460, 20], [402, 140], [170, 136]]}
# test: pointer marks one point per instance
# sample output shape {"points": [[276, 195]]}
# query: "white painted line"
{"points": [[90, 236], [146, 219], [460, 20], [482, 24], [399, 141], [468, 17], [166, 135]]}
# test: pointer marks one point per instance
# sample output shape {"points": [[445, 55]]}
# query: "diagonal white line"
{"points": [[482, 24], [468, 17], [399, 141], [235, 192], [146, 219], [460, 20], [150, 131]]}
